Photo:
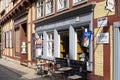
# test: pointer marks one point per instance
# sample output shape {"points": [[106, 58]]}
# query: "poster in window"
{"points": [[38, 47]]}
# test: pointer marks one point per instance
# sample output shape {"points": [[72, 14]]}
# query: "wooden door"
{"points": [[23, 36]]}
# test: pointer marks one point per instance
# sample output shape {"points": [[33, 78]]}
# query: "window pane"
{"points": [[40, 8], [50, 44], [61, 4], [49, 6], [39, 45], [75, 2], [10, 39]]}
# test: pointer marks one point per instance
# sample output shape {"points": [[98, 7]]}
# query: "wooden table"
{"points": [[66, 71]]}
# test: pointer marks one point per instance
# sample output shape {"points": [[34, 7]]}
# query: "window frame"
{"points": [[50, 39], [41, 37], [64, 8], [52, 6], [79, 2], [10, 39], [38, 7], [4, 4], [7, 39]]}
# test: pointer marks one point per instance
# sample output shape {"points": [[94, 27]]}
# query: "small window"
{"points": [[76, 2], [40, 8], [49, 7], [62, 4]]}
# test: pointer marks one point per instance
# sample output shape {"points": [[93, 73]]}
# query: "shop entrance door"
{"points": [[23, 37], [64, 43]]}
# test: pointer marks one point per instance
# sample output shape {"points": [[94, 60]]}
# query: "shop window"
{"points": [[64, 44], [50, 44], [79, 47], [49, 7], [40, 8], [10, 39], [39, 45], [76, 2], [62, 4]]}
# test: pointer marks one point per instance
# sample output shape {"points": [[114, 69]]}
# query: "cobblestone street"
{"points": [[13, 71]]}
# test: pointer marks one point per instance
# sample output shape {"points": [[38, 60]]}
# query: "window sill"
{"points": [[59, 10], [49, 14], [51, 58], [75, 4], [40, 17]]}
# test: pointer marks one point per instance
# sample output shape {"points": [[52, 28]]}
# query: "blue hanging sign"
{"points": [[86, 38]]}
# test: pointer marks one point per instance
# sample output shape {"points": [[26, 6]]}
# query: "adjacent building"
{"points": [[54, 28], [16, 21]]}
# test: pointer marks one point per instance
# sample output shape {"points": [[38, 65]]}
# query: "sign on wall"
{"points": [[103, 38], [110, 5], [102, 22]]}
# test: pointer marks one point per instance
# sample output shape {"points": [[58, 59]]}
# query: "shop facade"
{"points": [[62, 35], [59, 29]]}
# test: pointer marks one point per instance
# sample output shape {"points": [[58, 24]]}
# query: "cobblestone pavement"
{"points": [[13, 71], [6, 74]]}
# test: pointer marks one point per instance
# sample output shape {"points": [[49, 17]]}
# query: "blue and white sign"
{"points": [[86, 38]]}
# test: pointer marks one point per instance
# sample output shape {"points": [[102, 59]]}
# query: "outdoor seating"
{"points": [[56, 73], [75, 71], [59, 63], [78, 71]]}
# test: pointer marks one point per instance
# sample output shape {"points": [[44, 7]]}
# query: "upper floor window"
{"points": [[76, 2], [62, 4], [4, 4], [49, 6], [40, 8]]}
